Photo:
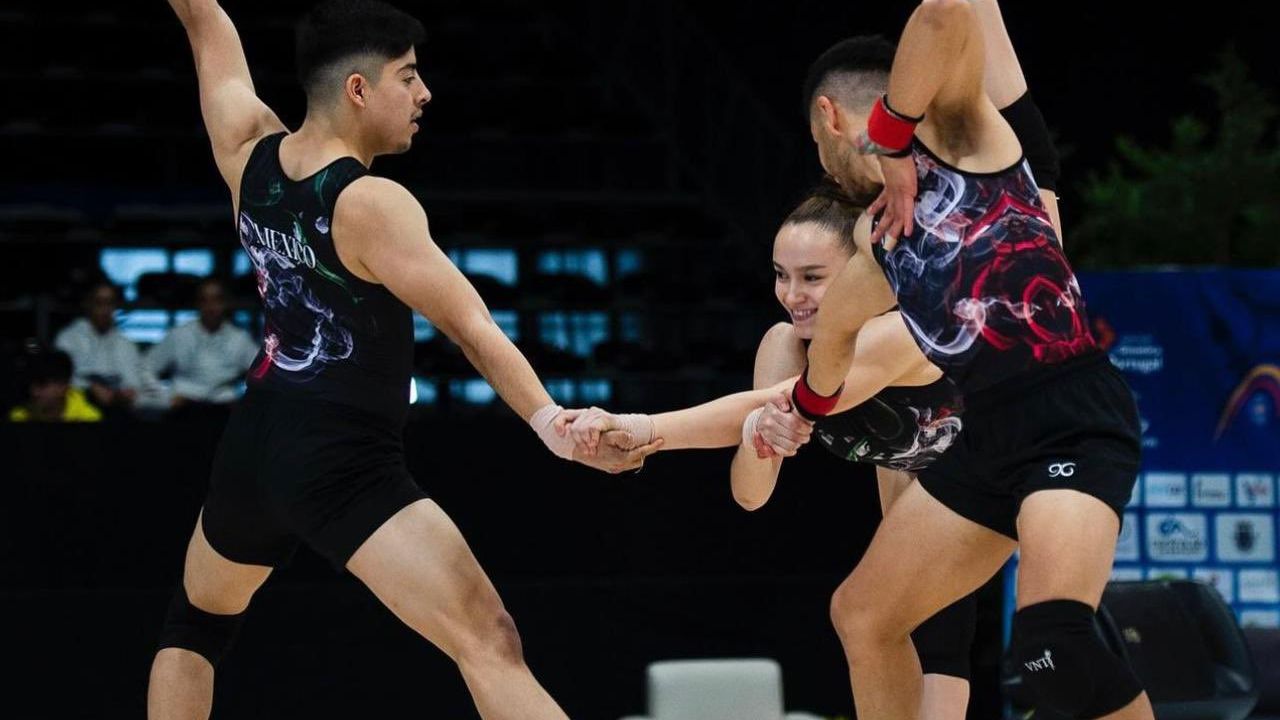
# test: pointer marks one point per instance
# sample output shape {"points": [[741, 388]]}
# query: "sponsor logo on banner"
{"points": [[1173, 537], [1156, 573], [1138, 354], [1220, 579], [1164, 490], [1126, 574], [1135, 498], [1211, 490], [1260, 618], [1261, 586], [1255, 401], [1127, 547], [1245, 537], [1255, 490]]}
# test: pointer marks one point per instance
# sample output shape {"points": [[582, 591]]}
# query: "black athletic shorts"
{"points": [[292, 470], [1073, 426]]}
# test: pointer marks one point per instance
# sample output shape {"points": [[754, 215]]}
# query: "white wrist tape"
{"points": [[638, 425], [749, 427], [543, 423]]}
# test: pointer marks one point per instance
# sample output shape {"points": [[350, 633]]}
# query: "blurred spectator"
{"points": [[207, 357], [106, 364], [50, 395]]}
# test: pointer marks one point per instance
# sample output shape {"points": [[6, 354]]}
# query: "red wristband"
{"points": [[810, 404], [888, 129]]}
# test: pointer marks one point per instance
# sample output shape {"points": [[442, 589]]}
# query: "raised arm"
{"points": [[936, 79], [1006, 85], [233, 115], [859, 293], [1002, 73], [939, 63]]}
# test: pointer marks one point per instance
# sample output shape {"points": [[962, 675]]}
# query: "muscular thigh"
{"points": [[420, 567], [1068, 541], [215, 584], [924, 557]]}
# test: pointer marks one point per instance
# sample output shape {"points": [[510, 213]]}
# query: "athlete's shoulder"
{"points": [[888, 332], [888, 338], [376, 207], [780, 355], [780, 333], [375, 195], [781, 336]]}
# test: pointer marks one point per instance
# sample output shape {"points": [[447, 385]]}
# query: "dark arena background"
{"points": [[610, 176]]}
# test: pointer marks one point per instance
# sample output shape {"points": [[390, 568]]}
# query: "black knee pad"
{"points": [[190, 628], [1066, 663], [943, 641]]}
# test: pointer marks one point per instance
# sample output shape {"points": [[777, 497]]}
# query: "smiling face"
{"points": [[806, 258]]}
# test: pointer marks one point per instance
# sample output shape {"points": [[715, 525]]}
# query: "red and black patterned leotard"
{"points": [[981, 281]]}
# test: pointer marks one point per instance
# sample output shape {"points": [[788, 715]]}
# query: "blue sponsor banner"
{"points": [[1201, 351]]}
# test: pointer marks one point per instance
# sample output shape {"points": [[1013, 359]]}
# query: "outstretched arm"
{"points": [[388, 229], [383, 235], [713, 424], [885, 352], [233, 115]]}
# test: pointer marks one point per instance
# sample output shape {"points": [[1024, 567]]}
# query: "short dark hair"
{"points": [[92, 289], [46, 366], [340, 30], [210, 281], [830, 208], [854, 71]]}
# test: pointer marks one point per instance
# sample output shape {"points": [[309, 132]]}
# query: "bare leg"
{"points": [[922, 558], [943, 697], [1050, 569], [181, 684], [1139, 709], [420, 567], [891, 484]]}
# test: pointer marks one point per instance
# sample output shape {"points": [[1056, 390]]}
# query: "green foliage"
{"points": [[1211, 198]]}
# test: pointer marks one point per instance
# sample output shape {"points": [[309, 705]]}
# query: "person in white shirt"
{"points": [[207, 357], [107, 365]]}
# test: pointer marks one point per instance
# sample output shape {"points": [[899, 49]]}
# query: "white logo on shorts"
{"points": [[1062, 469], [1044, 663]]}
